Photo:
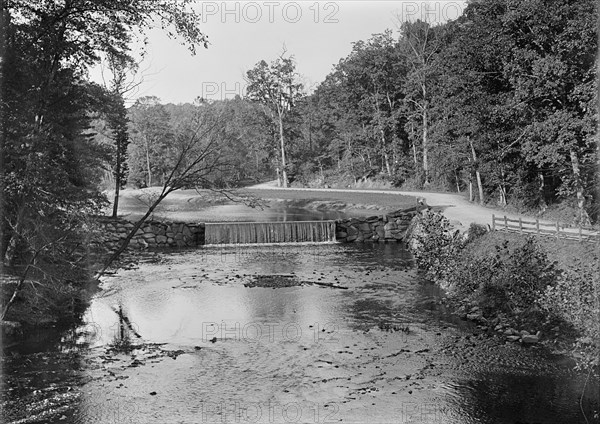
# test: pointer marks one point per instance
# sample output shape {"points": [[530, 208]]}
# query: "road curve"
{"points": [[455, 206]]}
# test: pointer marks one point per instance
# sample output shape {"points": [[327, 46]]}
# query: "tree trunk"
{"points": [[480, 187], [148, 163], [543, 205], [16, 290], [117, 183], [502, 187], [387, 164], [283, 164], [414, 145], [425, 131], [477, 174], [130, 235], [470, 187], [14, 240], [386, 159], [4, 229], [457, 181], [425, 149], [116, 201], [583, 216], [502, 190]]}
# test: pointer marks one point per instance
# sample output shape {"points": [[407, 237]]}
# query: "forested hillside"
{"points": [[501, 103], [502, 100]]}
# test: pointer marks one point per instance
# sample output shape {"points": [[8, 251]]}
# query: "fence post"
{"points": [[580, 233], [557, 230], [537, 225], [505, 223], [493, 222], [520, 226]]}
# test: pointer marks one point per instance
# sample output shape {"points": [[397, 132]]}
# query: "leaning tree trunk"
{"points": [[16, 290], [130, 235]]}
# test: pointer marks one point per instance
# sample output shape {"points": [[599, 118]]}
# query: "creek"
{"points": [[283, 333]]}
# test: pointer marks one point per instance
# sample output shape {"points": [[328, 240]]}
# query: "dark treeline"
{"points": [[51, 162]]}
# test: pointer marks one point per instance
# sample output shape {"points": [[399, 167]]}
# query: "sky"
{"points": [[242, 33]]}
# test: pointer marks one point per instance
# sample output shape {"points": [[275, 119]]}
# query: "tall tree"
{"points": [[421, 43], [552, 67], [375, 75], [276, 87], [151, 139]]}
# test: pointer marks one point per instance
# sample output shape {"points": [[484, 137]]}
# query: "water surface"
{"points": [[212, 350]]}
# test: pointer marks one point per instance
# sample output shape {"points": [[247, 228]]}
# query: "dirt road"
{"points": [[455, 207]]}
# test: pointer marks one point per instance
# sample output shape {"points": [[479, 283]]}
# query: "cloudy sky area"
{"points": [[317, 34]]}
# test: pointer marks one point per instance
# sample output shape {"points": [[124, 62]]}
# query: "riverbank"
{"points": [[529, 290]]}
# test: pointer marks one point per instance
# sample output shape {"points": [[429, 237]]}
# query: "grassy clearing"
{"points": [[390, 201]]}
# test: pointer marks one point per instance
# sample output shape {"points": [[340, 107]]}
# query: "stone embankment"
{"points": [[159, 234], [391, 227], [152, 234]]}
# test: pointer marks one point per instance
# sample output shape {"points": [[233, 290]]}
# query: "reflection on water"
{"points": [[379, 351]]}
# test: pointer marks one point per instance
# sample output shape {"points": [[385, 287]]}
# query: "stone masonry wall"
{"points": [[391, 227], [152, 234], [165, 234]]}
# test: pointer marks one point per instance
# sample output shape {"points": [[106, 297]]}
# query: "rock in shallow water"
{"points": [[530, 338]]}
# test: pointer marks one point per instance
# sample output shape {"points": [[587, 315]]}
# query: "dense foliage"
{"points": [[244, 138], [501, 102], [51, 164]]}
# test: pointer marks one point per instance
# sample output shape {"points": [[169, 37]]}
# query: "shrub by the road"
{"points": [[513, 277], [576, 299]]}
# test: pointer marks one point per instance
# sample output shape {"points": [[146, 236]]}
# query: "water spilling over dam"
{"points": [[270, 232]]}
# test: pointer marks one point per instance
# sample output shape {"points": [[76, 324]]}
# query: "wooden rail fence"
{"points": [[557, 230]]}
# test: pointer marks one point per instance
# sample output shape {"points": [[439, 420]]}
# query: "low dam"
{"points": [[157, 234], [269, 232]]}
